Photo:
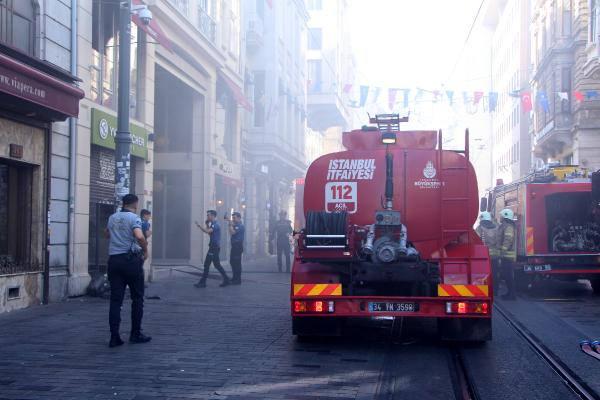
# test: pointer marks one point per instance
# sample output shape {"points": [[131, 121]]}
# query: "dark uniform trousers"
{"points": [[283, 248], [212, 256], [126, 270], [235, 260]]}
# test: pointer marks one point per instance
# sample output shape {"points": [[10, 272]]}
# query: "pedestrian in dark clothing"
{"points": [[213, 230], [127, 251], [237, 231], [283, 230], [146, 226]]}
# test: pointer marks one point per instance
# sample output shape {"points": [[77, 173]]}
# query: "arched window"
{"points": [[18, 24]]}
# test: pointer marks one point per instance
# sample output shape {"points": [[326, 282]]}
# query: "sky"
{"points": [[409, 42], [422, 43]]}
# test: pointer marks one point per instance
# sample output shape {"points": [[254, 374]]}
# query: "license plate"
{"points": [[393, 307], [537, 268]]}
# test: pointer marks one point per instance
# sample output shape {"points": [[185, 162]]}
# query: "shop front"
{"points": [[33, 95], [102, 180]]}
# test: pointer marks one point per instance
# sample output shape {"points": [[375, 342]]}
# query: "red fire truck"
{"points": [[558, 224], [389, 232]]}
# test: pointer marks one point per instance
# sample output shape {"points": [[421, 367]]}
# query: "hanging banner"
{"points": [[376, 92], [526, 104], [543, 100], [563, 96], [578, 95], [450, 95], [392, 98], [591, 94], [364, 93], [477, 97], [492, 101], [347, 87], [405, 101]]}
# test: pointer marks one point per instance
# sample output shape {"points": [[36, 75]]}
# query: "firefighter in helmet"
{"points": [[488, 232], [507, 235]]}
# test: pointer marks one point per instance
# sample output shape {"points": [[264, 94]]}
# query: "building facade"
{"points": [[274, 139], [330, 70], [38, 96], [185, 101], [566, 66], [510, 139]]}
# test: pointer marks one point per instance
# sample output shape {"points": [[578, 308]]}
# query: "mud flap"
{"points": [[316, 326], [465, 329]]}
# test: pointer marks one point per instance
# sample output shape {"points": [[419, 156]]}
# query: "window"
{"points": [[314, 5], [18, 24], [565, 86], [593, 29], [315, 39], [105, 49], [314, 76], [260, 8], [16, 193], [259, 98], [566, 18]]}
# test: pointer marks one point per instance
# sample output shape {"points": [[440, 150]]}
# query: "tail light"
{"points": [[467, 307], [313, 306]]}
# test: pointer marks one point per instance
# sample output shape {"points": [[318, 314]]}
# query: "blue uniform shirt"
{"points": [[239, 233], [215, 236], [121, 225], [145, 227]]}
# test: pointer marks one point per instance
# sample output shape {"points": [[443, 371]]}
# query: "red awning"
{"points": [[33, 86], [153, 28], [237, 92]]}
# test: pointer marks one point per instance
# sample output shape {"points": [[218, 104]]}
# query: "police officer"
{"points": [[507, 249], [283, 230], [213, 230], [237, 231], [127, 250], [488, 232]]}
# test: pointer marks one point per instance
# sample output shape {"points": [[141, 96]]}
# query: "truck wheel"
{"points": [[474, 330], [523, 282], [596, 285], [309, 328]]}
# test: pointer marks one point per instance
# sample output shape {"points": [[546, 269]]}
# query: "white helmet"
{"points": [[507, 213], [485, 216]]}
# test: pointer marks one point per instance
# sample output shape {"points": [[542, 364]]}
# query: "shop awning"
{"points": [[153, 29], [36, 92], [237, 92]]}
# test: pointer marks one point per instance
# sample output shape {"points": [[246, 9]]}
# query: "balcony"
{"points": [[325, 109], [201, 20], [254, 34], [206, 25], [554, 136]]}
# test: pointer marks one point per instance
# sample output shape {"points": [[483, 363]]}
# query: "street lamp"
{"points": [[123, 135]]}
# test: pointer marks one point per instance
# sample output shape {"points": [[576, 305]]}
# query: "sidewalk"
{"points": [[232, 343]]}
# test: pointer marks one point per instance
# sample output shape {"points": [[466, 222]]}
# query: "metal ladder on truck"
{"points": [[465, 228]]}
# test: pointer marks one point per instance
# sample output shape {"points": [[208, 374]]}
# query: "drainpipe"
{"points": [[72, 147]]}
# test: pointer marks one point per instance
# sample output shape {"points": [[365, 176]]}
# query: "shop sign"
{"points": [[104, 130]]}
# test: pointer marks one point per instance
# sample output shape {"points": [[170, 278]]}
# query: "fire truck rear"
{"points": [[389, 233], [558, 224]]}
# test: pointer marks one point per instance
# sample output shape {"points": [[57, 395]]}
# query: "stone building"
{"points": [[275, 130], [38, 95], [510, 139], [186, 96], [565, 58]]}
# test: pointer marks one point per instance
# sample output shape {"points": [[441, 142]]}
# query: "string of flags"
{"points": [[363, 95]]}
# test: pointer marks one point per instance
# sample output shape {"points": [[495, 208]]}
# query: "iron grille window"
{"points": [[18, 24]]}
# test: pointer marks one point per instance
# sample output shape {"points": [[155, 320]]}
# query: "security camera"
{"points": [[145, 16]]}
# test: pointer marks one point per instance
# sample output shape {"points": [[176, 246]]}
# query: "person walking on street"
{"points": [[283, 230], [146, 226], [508, 253], [488, 232], [213, 230], [127, 250], [237, 231]]}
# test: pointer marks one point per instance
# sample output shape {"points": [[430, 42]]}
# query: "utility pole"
{"points": [[123, 136]]}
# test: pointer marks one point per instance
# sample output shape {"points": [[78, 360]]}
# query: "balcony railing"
{"points": [[201, 20], [206, 25]]}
